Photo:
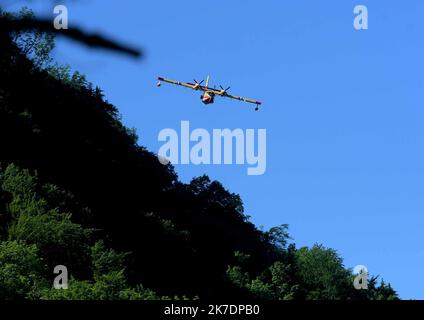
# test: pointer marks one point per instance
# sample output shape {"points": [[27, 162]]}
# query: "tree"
{"points": [[35, 44], [21, 271], [41, 237], [105, 260], [322, 273], [111, 286], [59, 240]]}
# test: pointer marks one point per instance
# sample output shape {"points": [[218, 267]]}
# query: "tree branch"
{"points": [[91, 40]]}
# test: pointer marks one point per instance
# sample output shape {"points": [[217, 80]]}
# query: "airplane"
{"points": [[208, 96]]}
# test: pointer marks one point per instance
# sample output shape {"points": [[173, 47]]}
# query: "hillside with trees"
{"points": [[78, 189]]}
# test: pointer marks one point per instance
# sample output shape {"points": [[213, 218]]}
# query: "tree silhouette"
{"points": [[9, 25]]}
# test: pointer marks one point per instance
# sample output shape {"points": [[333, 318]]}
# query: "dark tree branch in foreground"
{"points": [[92, 40]]}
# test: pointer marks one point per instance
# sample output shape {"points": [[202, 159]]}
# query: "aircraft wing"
{"points": [[226, 95], [187, 85]]}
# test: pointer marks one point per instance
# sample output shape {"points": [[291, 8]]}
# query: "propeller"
{"points": [[199, 83], [225, 90]]}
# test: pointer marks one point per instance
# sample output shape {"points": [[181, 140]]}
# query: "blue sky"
{"points": [[342, 108]]}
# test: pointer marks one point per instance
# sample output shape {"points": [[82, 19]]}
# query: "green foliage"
{"points": [[63, 73], [274, 283], [261, 290], [323, 274], [41, 237], [35, 44], [238, 277], [382, 292], [111, 286], [278, 236], [20, 270], [19, 183], [59, 240], [38, 46], [377, 291], [105, 260], [213, 190], [282, 281], [315, 273]]}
